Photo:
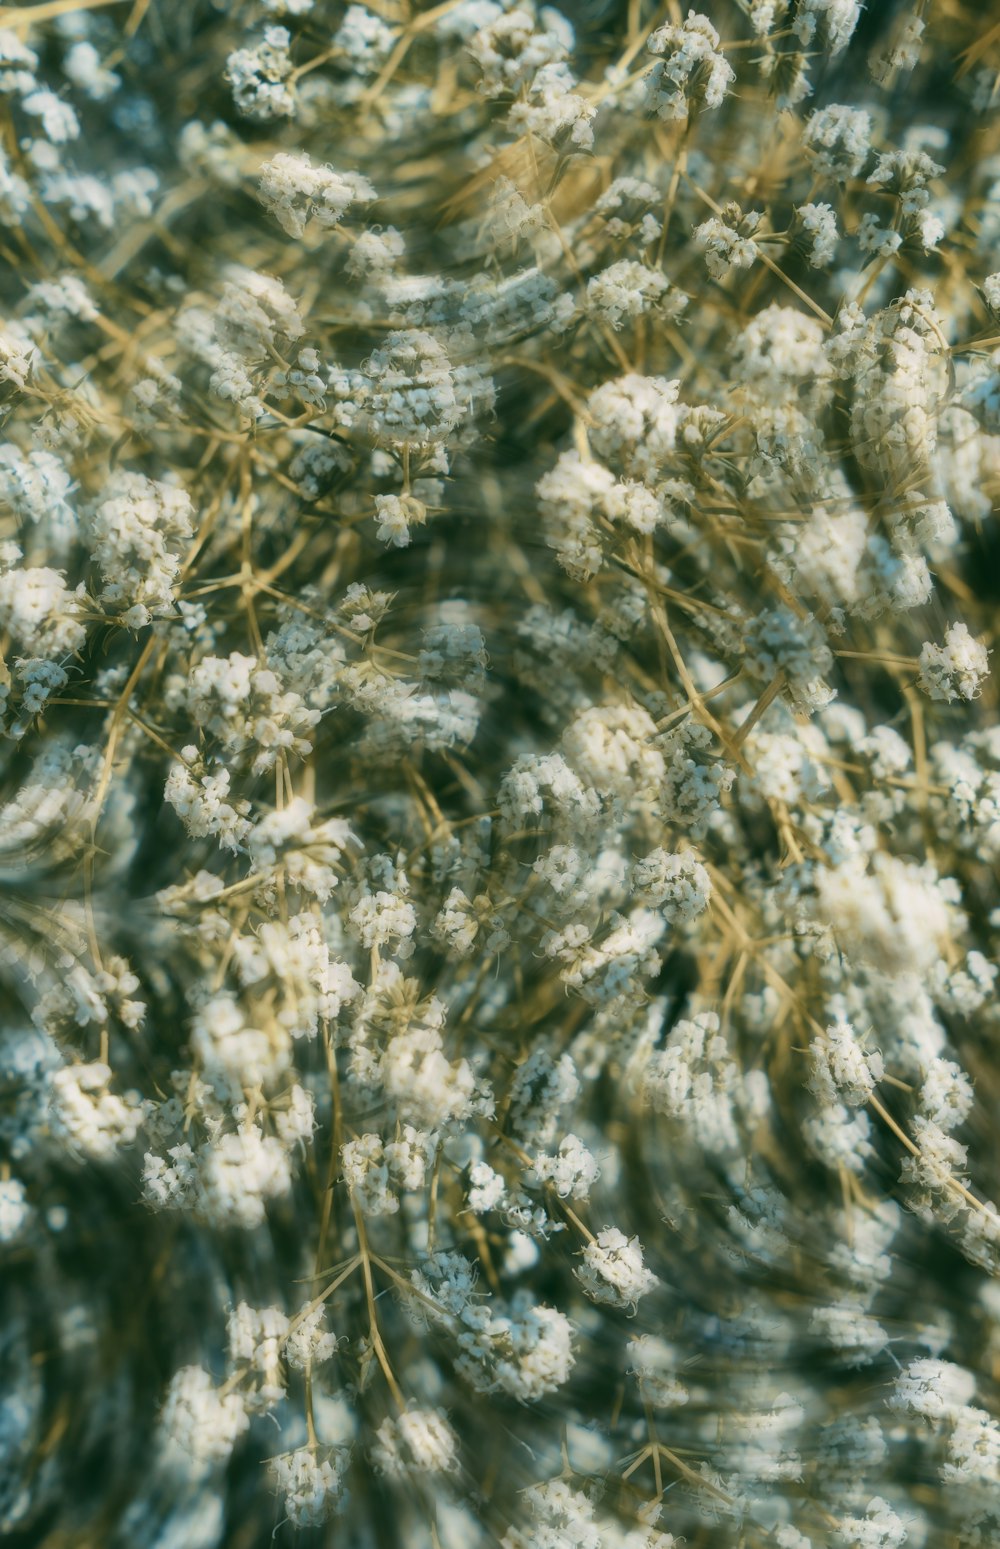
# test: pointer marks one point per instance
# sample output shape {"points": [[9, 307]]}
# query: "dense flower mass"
{"points": [[499, 774]]}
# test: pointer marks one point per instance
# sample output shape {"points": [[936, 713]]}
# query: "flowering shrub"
{"points": [[501, 782]]}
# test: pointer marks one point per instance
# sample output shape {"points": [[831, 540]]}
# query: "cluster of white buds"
{"points": [[259, 75], [311, 1484], [955, 670], [420, 1441], [613, 1270], [691, 70], [296, 193]]}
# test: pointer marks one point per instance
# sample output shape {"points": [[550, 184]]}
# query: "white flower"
{"points": [[364, 38], [829, 23], [628, 289], [820, 223], [304, 850], [946, 1094], [83, 67], [238, 1172], [256, 1338], [880, 1528], [408, 393], [420, 1441], [258, 74], [724, 246], [200, 803], [40, 613], [541, 1087], [16, 355], [59, 121], [486, 1188], [902, 52], [678, 884], [199, 1418], [366, 1173], [955, 670], [841, 1071], [93, 1121], [297, 192], [382, 917], [856, 1336], [533, 1350], [928, 230], [311, 1482], [254, 314], [15, 1211], [572, 1171], [308, 1341], [375, 253], [655, 1363], [554, 111], [634, 423], [973, 1450], [511, 48], [936, 1390], [395, 514], [691, 69], [613, 1270], [838, 141], [137, 535]]}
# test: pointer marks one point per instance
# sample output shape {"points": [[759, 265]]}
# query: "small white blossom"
{"points": [[199, 1418], [819, 223], [258, 75], [829, 23], [678, 884], [727, 246], [627, 290], [420, 1441], [511, 48], [572, 1172], [308, 1341], [955, 670], [311, 1483], [655, 1364], [486, 1188], [57, 117], [297, 192], [15, 1211], [364, 39], [613, 1270], [95, 1121], [932, 1389], [841, 1071], [690, 69], [838, 141]]}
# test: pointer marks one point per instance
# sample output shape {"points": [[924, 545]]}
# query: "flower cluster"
{"points": [[500, 795]]}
